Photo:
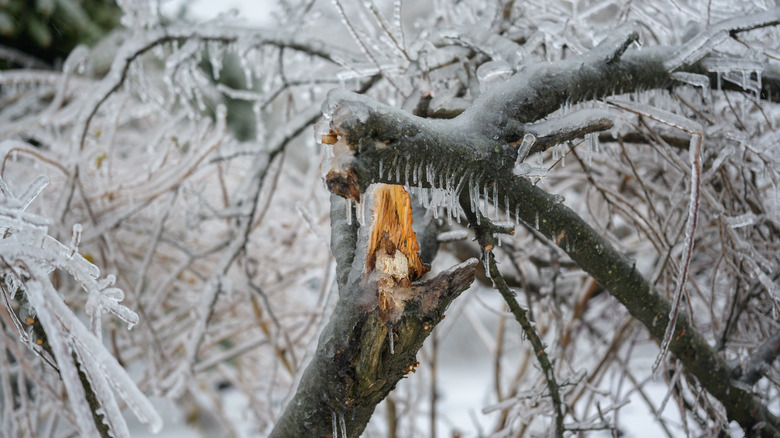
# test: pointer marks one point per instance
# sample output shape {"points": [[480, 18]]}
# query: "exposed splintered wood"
{"points": [[354, 368], [392, 258], [391, 231]]}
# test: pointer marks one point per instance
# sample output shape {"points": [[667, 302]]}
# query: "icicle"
{"points": [[537, 220], [380, 168], [506, 208], [517, 215], [216, 53], [335, 424], [390, 337], [76, 239], [589, 148], [471, 192], [398, 172], [484, 200], [38, 184], [406, 171], [563, 155], [486, 261], [248, 74], [348, 203], [525, 147], [343, 426], [495, 200], [361, 209]]}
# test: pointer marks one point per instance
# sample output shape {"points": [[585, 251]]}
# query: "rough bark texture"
{"points": [[353, 369], [475, 148]]}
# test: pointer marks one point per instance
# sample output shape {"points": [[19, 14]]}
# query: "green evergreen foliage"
{"points": [[48, 30]]}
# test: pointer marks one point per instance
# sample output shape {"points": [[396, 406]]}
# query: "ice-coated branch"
{"points": [[136, 47], [618, 274], [92, 377], [373, 142], [486, 240], [761, 360], [353, 368], [246, 198], [695, 150], [704, 42], [551, 132]]}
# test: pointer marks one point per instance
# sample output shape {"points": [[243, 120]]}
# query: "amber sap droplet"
{"points": [[29, 320]]}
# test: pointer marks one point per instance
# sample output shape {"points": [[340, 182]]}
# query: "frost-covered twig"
{"points": [[135, 48], [28, 255], [695, 152], [549, 133], [246, 197], [761, 359], [533, 337], [704, 42]]}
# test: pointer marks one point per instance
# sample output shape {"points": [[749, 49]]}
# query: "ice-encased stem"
{"points": [[480, 138]]}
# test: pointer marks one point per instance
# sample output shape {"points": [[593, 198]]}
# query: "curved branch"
{"points": [[533, 337], [762, 359], [473, 148]]}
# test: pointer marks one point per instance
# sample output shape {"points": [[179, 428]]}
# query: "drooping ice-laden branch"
{"points": [[246, 200], [761, 360], [475, 151], [147, 41], [697, 136], [90, 374]]}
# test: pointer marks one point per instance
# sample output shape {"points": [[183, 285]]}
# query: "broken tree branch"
{"points": [[353, 368], [376, 143]]}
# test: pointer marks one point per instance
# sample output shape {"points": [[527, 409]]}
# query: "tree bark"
{"points": [[353, 369], [478, 148]]}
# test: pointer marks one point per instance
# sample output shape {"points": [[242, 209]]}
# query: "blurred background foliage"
{"points": [[43, 32]]}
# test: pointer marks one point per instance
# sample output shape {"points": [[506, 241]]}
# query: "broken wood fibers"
{"points": [[393, 251]]}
